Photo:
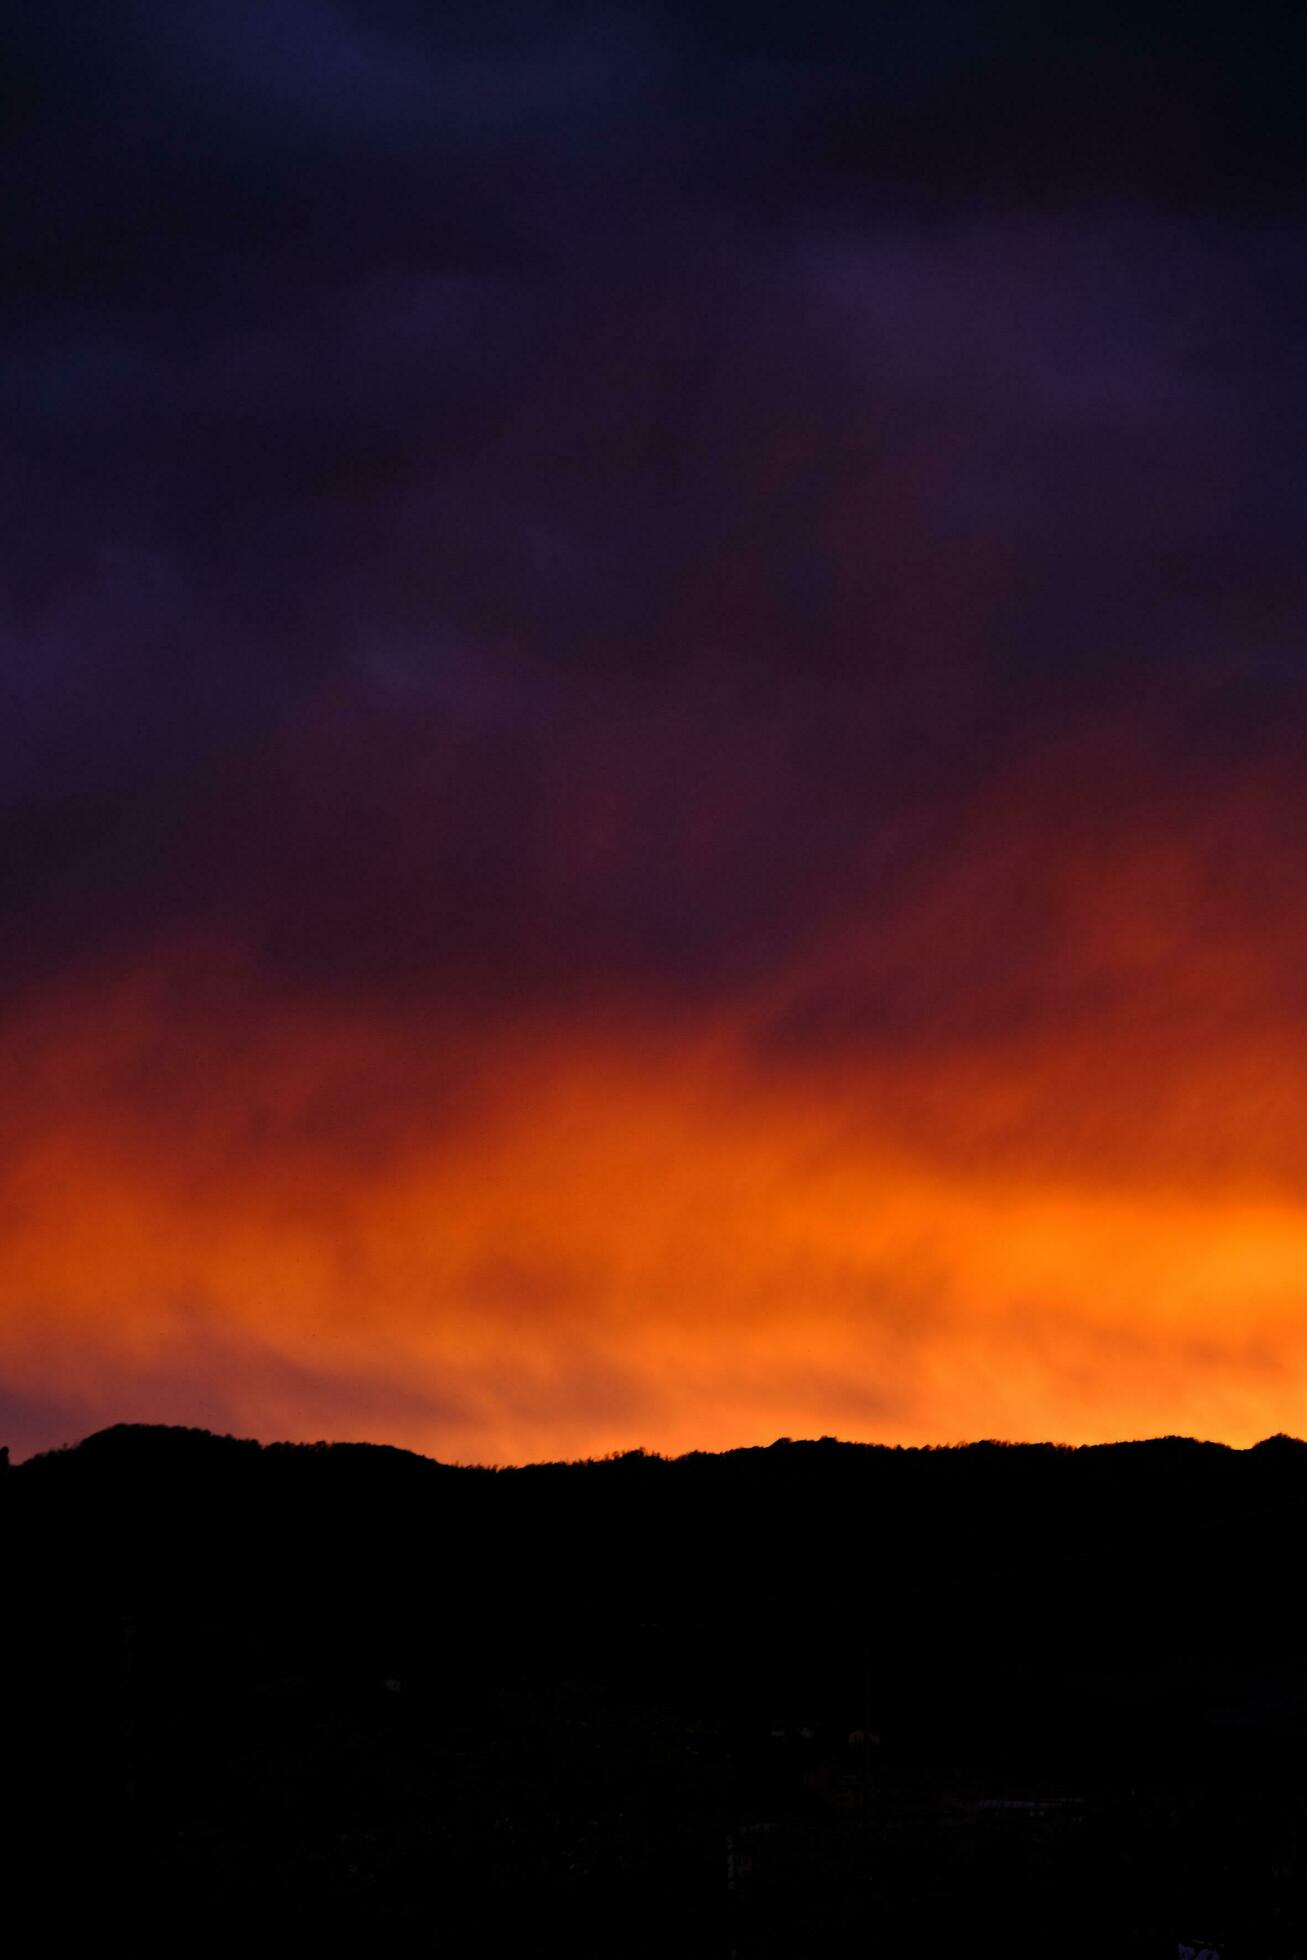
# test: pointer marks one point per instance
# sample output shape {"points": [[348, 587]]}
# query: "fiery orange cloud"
{"points": [[542, 1238]]}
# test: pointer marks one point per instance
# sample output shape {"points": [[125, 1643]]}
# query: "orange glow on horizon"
{"points": [[608, 1240]]}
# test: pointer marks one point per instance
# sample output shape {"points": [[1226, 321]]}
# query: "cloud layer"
{"points": [[651, 724]]}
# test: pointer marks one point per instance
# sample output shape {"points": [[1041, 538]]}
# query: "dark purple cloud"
{"points": [[580, 501]]}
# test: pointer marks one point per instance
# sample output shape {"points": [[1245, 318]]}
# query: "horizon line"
{"points": [[641, 1451]]}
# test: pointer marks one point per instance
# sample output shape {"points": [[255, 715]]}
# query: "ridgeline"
{"points": [[814, 1698]]}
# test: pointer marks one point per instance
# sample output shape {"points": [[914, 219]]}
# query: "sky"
{"points": [[653, 705]]}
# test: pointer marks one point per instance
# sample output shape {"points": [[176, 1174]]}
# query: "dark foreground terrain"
{"points": [[814, 1699]]}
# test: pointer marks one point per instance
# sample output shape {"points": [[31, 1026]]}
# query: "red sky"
{"points": [[652, 728], [494, 1234]]}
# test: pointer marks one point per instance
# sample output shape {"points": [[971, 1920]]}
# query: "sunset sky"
{"points": [[653, 722]]}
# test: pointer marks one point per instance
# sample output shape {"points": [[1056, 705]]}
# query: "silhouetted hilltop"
{"points": [[1009, 1501], [129, 1447], [341, 1686]]}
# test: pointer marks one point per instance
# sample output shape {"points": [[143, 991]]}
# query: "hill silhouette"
{"points": [[818, 1697]]}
